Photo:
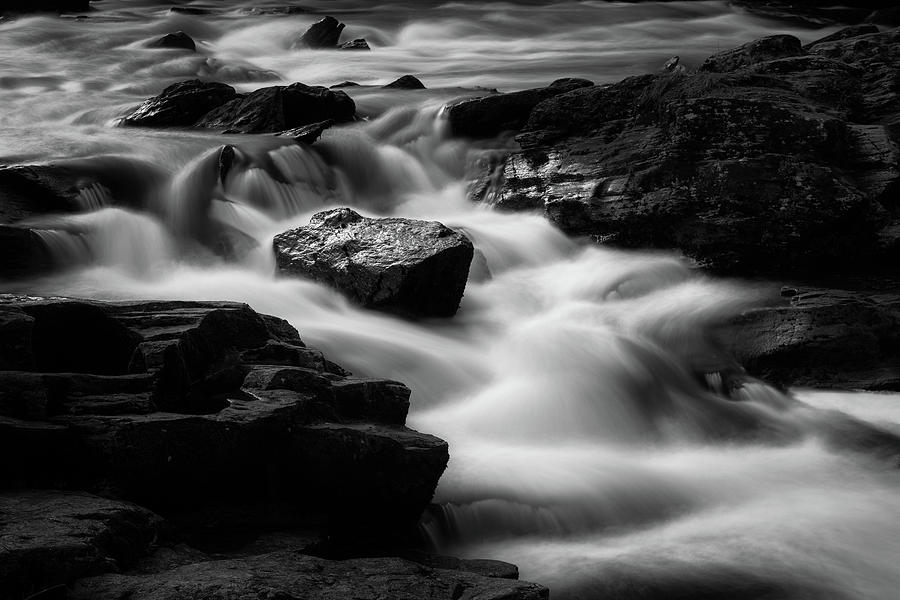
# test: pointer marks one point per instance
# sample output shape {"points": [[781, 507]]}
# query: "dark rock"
{"points": [[277, 108], [288, 574], [345, 84], [889, 16], [190, 10], [693, 161], [308, 133], [407, 82], [415, 267], [357, 44], [180, 104], [24, 254], [50, 538], [58, 6], [843, 34], [817, 337], [179, 405], [489, 116], [761, 50], [321, 34], [178, 40]]}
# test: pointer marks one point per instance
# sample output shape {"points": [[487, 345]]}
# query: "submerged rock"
{"points": [[771, 161], [357, 44], [403, 265], [178, 40], [181, 104], [407, 82], [307, 134], [277, 108], [321, 34], [489, 116], [288, 574]]}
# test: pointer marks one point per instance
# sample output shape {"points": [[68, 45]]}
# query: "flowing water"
{"points": [[584, 446]]}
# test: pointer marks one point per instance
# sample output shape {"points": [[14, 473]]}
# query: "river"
{"points": [[582, 447]]}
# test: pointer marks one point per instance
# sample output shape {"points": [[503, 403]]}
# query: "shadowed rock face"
{"points": [[416, 267], [771, 160], [321, 34], [294, 575], [184, 404]]}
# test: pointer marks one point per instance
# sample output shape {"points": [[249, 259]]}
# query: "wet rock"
{"points": [[489, 116], [278, 108], [820, 337], [345, 84], [180, 105], [178, 40], [693, 161], [288, 574], [843, 34], [414, 267], [407, 82], [308, 133], [51, 538], [357, 44], [321, 34], [177, 405], [761, 50], [24, 254]]}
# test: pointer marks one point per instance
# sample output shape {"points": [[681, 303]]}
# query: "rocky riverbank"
{"points": [[226, 426]]}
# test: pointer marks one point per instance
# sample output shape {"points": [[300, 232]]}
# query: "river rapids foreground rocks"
{"points": [[223, 422]]}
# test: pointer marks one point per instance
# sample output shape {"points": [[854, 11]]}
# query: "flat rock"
{"points": [[180, 105], [307, 134], [415, 267], [821, 337], [357, 44], [294, 575], [50, 538], [278, 108]]}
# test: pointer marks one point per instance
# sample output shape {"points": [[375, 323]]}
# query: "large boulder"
{"points": [[783, 164], [277, 108], [181, 405], [181, 104], [288, 574], [406, 82], [488, 116], [50, 538], [321, 34], [401, 265]]}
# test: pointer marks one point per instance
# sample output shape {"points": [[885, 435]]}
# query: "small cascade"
{"points": [[94, 197], [66, 248]]}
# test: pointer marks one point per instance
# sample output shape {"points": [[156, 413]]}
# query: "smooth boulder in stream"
{"points": [[398, 265]]}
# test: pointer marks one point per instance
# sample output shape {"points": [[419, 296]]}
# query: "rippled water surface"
{"points": [[584, 447]]}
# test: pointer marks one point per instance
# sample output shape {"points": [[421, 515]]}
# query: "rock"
{"points": [[407, 82], [843, 34], [177, 405], [288, 574], [761, 50], [413, 267], [180, 104], [489, 116], [308, 133], [24, 254], [321, 34], [825, 338], [357, 44], [50, 538], [345, 84], [278, 108], [693, 162], [178, 40]]}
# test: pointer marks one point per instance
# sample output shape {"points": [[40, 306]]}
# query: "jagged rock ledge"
{"points": [[224, 424]]}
